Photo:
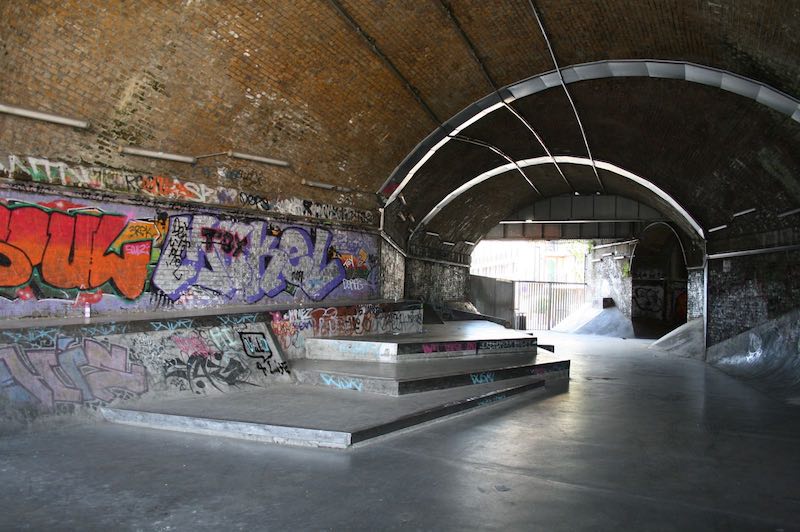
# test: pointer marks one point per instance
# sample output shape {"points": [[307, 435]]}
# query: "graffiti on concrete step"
{"points": [[292, 327], [342, 382], [507, 344], [484, 377], [447, 347]]}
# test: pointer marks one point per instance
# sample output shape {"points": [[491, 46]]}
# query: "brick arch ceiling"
{"points": [[345, 89]]}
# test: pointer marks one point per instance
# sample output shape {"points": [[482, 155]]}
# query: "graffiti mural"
{"points": [[58, 368], [219, 358], [42, 170], [67, 246], [57, 254], [246, 261], [74, 370]]}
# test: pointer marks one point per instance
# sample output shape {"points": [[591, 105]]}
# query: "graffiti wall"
{"points": [[648, 300], [435, 282], [56, 369], [41, 170], [59, 255], [292, 327]]}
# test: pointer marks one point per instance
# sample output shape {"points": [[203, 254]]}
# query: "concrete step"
{"points": [[397, 349], [425, 375], [315, 416]]}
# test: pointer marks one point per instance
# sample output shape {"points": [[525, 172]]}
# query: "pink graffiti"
{"points": [[139, 248], [448, 346], [192, 345]]}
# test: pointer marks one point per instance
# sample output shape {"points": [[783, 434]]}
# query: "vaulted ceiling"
{"points": [[355, 93]]}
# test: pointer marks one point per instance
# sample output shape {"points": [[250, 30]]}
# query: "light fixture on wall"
{"points": [[718, 228], [431, 233], [446, 243], [258, 159], [742, 213], [467, 242], [45, 117], [130, 150], [326, 186], [788, 213]]}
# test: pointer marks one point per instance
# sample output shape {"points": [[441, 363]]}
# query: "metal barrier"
{"points": [[544, 304]]}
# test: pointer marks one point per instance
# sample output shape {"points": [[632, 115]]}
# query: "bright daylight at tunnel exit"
{"points": [[390, 264]]}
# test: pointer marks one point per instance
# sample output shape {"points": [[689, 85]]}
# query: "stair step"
{"points": [[392, 350], [425, 375]]}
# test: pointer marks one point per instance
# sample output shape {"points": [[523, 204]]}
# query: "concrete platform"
{"points": [[314, 416], [426, 375]]}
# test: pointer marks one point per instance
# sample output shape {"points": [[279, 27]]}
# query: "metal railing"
{"points": [[544, 304]]}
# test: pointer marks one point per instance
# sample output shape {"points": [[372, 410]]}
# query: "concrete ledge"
{"points": [[382, 416], [228, 428]]}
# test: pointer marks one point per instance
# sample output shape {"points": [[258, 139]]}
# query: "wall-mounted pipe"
{"points": [[747, 252], [44, 117], [258, 159], [130, 150]]}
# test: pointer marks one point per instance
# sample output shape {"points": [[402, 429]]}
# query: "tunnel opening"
{"points": [[659, 282]]}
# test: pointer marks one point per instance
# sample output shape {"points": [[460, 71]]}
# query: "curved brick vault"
{"points": [[345, 89]]}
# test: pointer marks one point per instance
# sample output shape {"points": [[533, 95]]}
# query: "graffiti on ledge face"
{"points": [[121, 256], [78, 371]]}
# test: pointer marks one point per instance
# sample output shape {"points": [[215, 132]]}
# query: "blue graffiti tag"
{"points": [[482, 378], [342, 383]]}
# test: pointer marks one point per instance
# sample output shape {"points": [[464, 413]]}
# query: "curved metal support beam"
{"points": [[541, 143], [499, 152], [691, 72], [563, 159], [566, 92]]}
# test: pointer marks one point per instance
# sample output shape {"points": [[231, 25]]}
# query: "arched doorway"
{"points": [[658, 282]]}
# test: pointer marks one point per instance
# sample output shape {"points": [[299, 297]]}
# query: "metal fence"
{"points": [[544, 304]]}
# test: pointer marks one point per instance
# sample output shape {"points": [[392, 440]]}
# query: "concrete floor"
{"points": [[641, 441]]}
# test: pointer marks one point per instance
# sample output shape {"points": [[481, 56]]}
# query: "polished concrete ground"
{"points": [[641, 441]]}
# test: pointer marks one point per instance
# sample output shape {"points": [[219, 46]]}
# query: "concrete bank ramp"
{"points": [[767, 356], [686, 341], [598, 321]]}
